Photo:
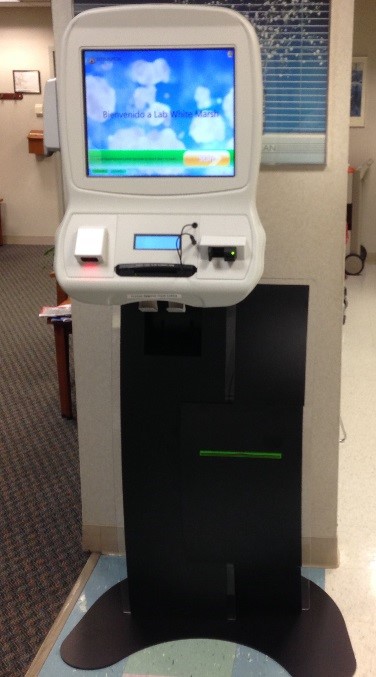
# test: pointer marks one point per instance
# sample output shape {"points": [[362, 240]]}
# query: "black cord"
{"points": [[179, 239]]}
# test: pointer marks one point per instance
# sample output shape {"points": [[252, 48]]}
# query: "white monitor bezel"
{"points": [[176, 33]]}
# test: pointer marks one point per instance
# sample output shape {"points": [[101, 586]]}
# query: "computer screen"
{"points": [[159, 112]]}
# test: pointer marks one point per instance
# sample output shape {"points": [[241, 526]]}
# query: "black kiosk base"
{"points": [[212, 403]]}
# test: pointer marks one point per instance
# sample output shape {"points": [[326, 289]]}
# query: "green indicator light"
{"points": [[269, 455]]}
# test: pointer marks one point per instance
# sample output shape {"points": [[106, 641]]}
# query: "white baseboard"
{"points": [[103, 539], [316, 552], [320, 553]]}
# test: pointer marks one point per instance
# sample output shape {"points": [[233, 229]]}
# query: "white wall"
{"points": [[30, 212], [303, 211], [363, 139]]}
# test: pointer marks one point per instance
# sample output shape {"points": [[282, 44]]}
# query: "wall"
{"points": [[303, 212], [363, 139], [30, 212]]}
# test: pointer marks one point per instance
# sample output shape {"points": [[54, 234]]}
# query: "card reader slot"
{"points": [[155, 270]]}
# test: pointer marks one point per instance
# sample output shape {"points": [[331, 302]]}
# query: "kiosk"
{"points": [[162, 149], [160, 110]]}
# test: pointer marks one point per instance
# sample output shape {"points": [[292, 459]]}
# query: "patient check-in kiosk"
{"points": [[160, 110], [162, 157]]}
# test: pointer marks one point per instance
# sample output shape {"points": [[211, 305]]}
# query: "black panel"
{"points": [[245, 524], [223, 379], [154, 383], [172, 334], [211, 431], [242, 503], [271, 345]]}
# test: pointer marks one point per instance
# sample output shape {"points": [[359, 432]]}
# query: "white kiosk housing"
{"points": [[160, 113], [160, 110]]}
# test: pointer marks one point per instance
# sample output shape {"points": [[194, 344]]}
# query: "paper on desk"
{"points": [[63, 310]]}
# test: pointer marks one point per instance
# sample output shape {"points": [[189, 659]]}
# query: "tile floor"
{"points": [[352, 585], [189, 658]]}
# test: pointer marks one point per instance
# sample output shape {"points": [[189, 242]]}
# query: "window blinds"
{"points": [[293, 36], [294, 41]]}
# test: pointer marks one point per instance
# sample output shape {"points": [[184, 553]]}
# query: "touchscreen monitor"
{"points": [[159, 112]]}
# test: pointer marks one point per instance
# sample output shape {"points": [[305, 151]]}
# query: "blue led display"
{"points": [[154, 242]]}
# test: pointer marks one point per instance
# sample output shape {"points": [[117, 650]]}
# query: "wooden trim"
{"points": [[1, 230], [108, 540], [51, 638], [29, 239]]}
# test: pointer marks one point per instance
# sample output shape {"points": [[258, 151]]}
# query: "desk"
{"points": [[61, 334]]}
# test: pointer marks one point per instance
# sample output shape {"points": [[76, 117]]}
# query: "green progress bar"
{"points": [[270, 455]]}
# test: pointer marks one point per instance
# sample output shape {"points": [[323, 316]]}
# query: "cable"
{"points": [[179, 240]]}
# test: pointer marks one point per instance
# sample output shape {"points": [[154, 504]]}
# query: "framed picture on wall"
{"points": [[26, 82], [358, 91]]}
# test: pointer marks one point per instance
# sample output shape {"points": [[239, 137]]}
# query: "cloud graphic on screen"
{"points": [[165, 140], [100, 96], [135, 138], [149, 72], [129, 138], [106, 66], [202, 97], [228, 106], [144, 96], [158, 114], [208, 129]]}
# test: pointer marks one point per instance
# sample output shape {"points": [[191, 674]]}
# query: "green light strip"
{"points": [[147, 156], [270, 455]]}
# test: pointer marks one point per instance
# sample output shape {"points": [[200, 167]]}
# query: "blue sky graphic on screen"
{"points": [[160, 112]]}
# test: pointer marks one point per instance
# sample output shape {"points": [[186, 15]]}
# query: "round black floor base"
{"points": [[312, 643]]}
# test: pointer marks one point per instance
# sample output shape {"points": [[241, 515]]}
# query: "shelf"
{"points": [[12, 96]]}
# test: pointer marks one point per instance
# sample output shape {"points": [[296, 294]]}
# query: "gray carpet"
{"points": [[40, 510]]}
